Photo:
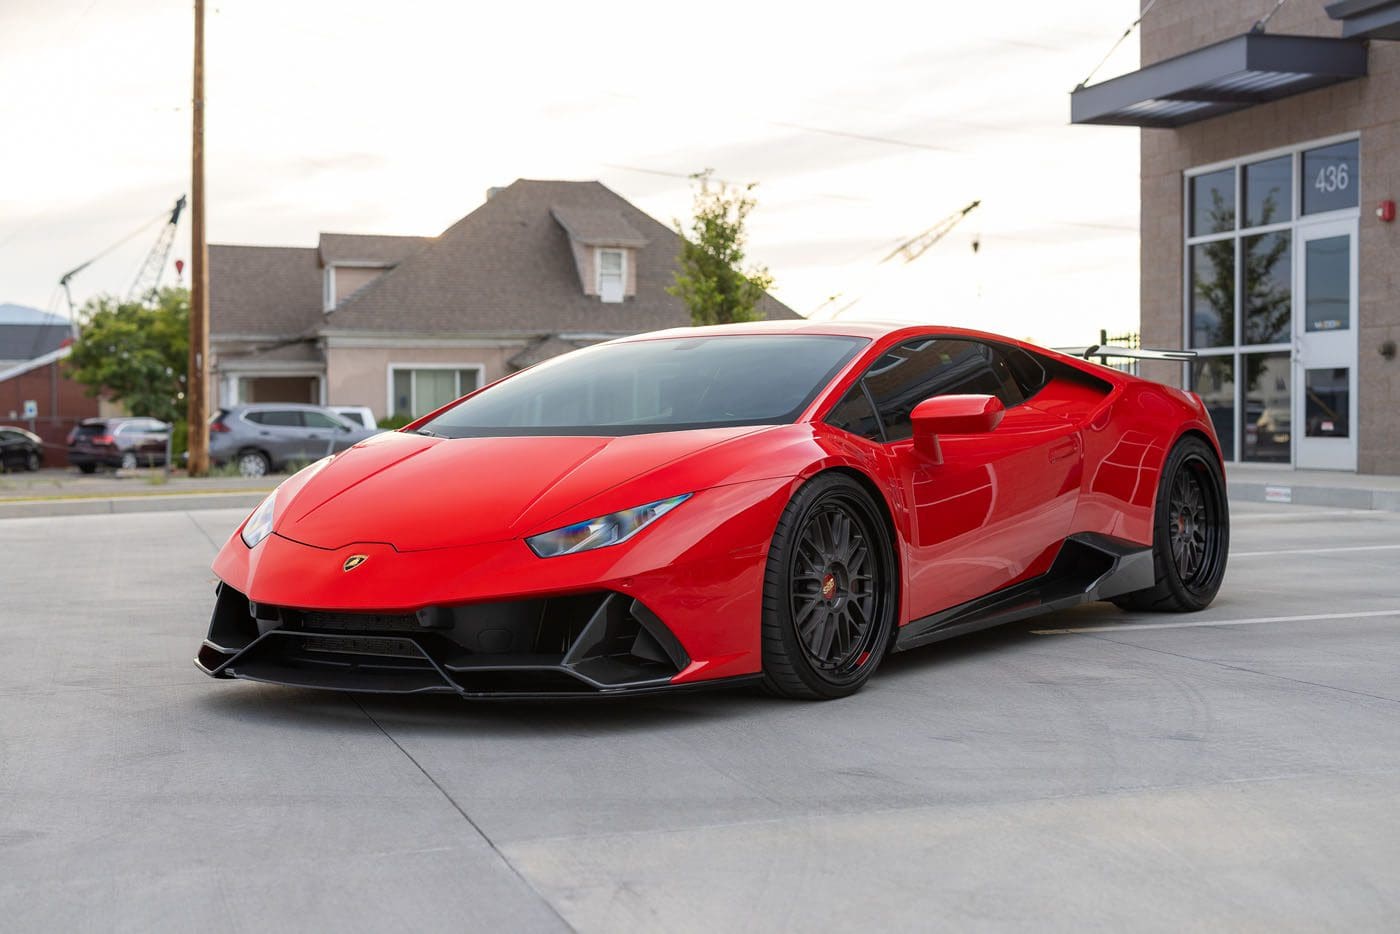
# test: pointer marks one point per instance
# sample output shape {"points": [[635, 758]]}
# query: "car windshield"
{"points": [[668, 384]]}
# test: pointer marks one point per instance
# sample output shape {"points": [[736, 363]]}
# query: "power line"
{"points": [[1126, 33], [887, 140]]}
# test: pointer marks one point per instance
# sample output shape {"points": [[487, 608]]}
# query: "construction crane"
{"points": [[917, 246], [911, 250], [151, 268], [146, 286]]}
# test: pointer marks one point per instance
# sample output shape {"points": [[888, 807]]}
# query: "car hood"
{"points": [[417, 493]]}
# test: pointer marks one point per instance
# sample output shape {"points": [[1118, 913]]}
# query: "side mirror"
{"points": [[953, 415]]}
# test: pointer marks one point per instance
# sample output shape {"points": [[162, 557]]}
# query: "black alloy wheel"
{"points": [[1191, 534], [829, 592]]}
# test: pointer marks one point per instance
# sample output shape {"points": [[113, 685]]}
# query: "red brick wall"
{"points": [[62, 404]]}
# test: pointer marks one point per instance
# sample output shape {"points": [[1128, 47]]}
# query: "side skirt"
{"points": [[1089, 567]]}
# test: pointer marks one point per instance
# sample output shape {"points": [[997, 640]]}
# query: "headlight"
{"points": [[259, 524], [605, 530]]}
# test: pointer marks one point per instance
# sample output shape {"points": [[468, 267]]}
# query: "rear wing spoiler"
{"points": [[1103, 351]]}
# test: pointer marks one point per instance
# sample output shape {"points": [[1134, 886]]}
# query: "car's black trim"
{"points": [[1089, 567], [567, 646]]}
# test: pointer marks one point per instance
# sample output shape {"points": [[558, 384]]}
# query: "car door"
{"points": [[326, 434], [994, 511], [280, 433], [12, 450]]}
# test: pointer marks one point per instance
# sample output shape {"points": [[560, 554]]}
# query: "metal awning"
{"points": [[1254, 68], [1367, 19]]}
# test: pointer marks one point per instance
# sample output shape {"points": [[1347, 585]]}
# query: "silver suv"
{"points": [[264, 437]]}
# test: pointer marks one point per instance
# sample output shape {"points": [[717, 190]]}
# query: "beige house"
{"points": [[406, 324]]}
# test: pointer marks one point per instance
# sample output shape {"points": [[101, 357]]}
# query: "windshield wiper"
{"points": [[428, 432]]}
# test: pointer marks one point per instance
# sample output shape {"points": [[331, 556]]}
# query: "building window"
{"points": [[1244, 243], [328, 289], [416, 390], [612, 275]]}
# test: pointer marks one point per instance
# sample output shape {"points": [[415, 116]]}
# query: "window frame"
{"points": [[413, 386], [598, 272], [1237, 350], [884, 438]]}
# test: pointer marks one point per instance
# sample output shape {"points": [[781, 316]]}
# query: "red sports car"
{"points": [[780, 503]]}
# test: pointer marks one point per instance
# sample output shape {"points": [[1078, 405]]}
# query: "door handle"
{"points": [[1067, 448], [1297, 350]]}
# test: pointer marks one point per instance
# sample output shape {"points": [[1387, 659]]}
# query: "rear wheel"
{"points": [[829, 594], [88, 468], [1191, 532], [129, 461], [31, 463], [253, 464]]}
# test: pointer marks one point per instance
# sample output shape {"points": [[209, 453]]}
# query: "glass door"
{"points": [[1325, 347]]}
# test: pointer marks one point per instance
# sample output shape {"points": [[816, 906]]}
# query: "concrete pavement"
{"points": [[1239, 769]]}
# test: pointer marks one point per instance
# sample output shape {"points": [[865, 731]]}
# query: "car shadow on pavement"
{"points": [[301, 708]]}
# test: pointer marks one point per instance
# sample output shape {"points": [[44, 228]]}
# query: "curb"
{"points": [[1305, 495], [156, 502]]}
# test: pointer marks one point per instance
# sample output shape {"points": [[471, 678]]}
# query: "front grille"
{"points": [[580, 643], [358, 622], [402, 648]]}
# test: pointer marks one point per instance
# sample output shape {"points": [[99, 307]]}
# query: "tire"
{"points": [[253, 464], [32, 462], [1190, 533], [129, 461], [88, 468], [829, 592]]}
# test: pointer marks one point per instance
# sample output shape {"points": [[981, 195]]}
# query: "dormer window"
{"points": [[612, 275]]}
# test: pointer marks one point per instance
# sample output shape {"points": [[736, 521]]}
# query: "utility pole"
{"points": [[197, 385]]}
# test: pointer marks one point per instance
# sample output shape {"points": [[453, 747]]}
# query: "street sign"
{"points": [[31, 409]]}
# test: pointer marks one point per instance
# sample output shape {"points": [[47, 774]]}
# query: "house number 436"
{"points": [[1332, 178]]}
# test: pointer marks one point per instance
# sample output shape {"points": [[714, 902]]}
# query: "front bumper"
{"points": [[569, 646], [678, 606]]}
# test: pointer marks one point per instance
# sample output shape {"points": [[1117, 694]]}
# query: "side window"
{"points": [[281, 418], [918, 370], [320, 420], [855, 414]]}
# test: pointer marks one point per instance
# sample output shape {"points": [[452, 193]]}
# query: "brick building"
{"points": [[61, 402], [1270, 165]]}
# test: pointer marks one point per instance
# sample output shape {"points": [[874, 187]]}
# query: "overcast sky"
{"points": [[862, 124]]}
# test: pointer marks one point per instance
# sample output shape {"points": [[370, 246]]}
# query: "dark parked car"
{"points": [[260, 438], [20, 449], [127, 442]]}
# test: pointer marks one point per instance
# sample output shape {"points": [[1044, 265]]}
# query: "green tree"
{"points": [[711, 280], [138, 353]]}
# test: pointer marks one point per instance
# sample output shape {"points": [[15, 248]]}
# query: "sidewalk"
{"points": [[66, 492], [1267, 483]]}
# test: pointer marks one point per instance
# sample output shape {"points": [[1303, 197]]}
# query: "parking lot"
{"points": [[1238, 768]]}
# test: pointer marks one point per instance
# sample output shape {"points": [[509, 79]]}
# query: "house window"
{"points": [[328, 289], [1252, 235], [419, 389], [612, 275]]}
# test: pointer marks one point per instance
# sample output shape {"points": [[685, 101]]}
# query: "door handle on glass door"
{"points": [[1067, 448]]}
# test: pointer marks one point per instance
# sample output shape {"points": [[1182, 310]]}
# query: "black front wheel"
{"points": [[1191, 532], [829, 594]]}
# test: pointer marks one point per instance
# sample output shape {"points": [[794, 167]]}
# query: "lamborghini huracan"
{"points": [[782, 503]]}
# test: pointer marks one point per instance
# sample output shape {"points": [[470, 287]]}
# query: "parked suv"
{"points": [[261, 438], [128, 443]]}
